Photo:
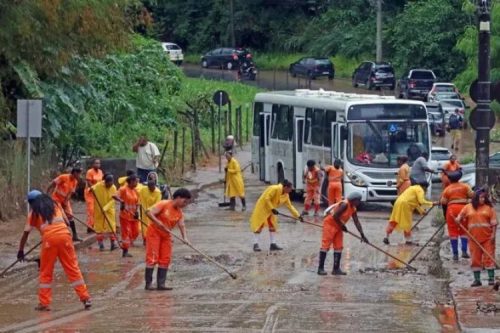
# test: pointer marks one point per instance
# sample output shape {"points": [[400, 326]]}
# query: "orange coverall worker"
{"points": [[332, 235], [313, 182], [449, 166], [128, 221], [403, 178], [334, 184], [56, 243], [455, 197], [159, 242], [92, 177], [65, 185], [482, 224]]}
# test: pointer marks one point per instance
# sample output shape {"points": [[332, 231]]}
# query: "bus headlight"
{"points": [[355, 179]]}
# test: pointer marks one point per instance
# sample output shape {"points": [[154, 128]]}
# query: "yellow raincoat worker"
{"points": [[104, 212], [265, 211], [234, 182], [148, 196], [402, 213]]}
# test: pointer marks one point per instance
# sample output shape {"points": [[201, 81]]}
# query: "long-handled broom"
{"points": [[224, 204]]}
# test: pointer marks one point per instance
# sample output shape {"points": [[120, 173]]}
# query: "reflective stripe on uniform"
{"points": [[61, 193], [479, 225], [77, 283], [45, 285]]}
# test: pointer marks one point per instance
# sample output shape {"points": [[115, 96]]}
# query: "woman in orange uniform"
{"points": [[47, 217], [454, 198], [62, 188], [450, 166], [93, 176], [165, 214], [403, 175], [333, 231], [481, 221], [335, 175], [312, 179], [128, 198]]}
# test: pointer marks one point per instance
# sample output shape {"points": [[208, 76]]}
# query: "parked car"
{"points": [[416, 83], [436, 118], [450, 105], [312, 68], [469, 170], [440, 89], [174, 52], [374, 75], [439, 156], [224, 57]]}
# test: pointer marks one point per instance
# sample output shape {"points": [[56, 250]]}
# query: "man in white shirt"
{"points": [[147, 157]]}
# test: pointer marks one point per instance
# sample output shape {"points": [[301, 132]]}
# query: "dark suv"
{"points": [[313, 67], [374, 75], [224, 57]]}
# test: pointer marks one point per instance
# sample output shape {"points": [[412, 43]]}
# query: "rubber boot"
{"points": [[256, 248], [161, 278], [125, 254], [73, 231], [243, 204], [232, 203], [321, 266], [336, 264], [464, 242], [101, 246], [316, 210], [477, 279], [148, 277], [491, 277], [454, 248], [87, 304], [275, 247], [113, 246]]}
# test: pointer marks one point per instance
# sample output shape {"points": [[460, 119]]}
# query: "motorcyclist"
{"points": [[245, 65]]}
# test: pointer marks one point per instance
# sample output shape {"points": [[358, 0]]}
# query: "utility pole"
{"points": [[379, 31], [233, 37], [483, 94]]}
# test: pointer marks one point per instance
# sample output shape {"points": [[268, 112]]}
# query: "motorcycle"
{"points": [[248, 71]]}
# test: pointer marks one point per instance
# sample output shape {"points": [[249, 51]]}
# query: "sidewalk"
{"points": [[477, 308]]}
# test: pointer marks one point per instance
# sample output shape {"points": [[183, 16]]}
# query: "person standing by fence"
{"points": [[147, 158]]}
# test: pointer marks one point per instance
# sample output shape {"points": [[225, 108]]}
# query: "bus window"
{"points": [[257, 109], [274, 114], [282, 122], [330, 117], [317, 121], [307, 127]]}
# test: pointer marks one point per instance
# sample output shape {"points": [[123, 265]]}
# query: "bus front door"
{"points": [[298, 141], [264, 149], [336, 153]]}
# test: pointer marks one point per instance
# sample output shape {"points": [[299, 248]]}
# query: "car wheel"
{"points": [[229, 65], [204, 64], [354, 83], [369, 85], [392, 87], [281, 173], [330, 77], [292, 72], [310, 75]]}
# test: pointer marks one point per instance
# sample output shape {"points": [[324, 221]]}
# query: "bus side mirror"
{"points": [[343, 133]]}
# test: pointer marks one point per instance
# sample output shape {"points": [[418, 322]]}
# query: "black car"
{"points": [[313, 67], [372, 74], [436, 118], [224, 57], [416, 83]]}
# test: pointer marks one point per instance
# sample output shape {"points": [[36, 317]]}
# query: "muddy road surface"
{"points": [[274, 292]]}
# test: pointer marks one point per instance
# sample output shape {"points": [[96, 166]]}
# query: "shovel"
{"points": [[224, 204]]}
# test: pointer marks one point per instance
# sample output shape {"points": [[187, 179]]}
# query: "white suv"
{"points": [[174, 52]]}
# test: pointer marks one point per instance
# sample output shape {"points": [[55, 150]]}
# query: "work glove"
{"points": [[344, 228], [225, 169], [136, 215], [122, 206], [20, 255], [275, 211], [364, 239], [301, 219]]}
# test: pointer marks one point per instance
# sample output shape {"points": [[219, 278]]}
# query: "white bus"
{"points": [[366, 132]]}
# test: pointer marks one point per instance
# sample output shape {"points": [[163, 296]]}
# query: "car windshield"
{"points": [[322, 61], [379, 144], [422, 75], [440, 88], [384, 69], [172, 47], [453, 103], [440, 155], [446, 95]]}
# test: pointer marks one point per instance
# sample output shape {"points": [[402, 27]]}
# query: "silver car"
{"points": [[450, 105]]}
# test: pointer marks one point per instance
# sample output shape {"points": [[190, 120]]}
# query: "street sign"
{"points": [[473, 91], [29, 118], [475, 122], [220, 98], [494, 91]]}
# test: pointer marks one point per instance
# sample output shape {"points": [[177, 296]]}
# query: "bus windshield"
{"points": [[378, 144]]}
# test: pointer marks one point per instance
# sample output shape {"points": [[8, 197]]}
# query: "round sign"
{"points": [[473, 91], [495, 91], [220, 98], [475, 123]]}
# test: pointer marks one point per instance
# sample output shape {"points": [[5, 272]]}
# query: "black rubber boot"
{"points": [[232, 203], [321, 266], [148, 277], [161, 278], [275, 247], [73, 231], [243, 204], [113, 246], [125, 254], [336, 264], [256, 248]]}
